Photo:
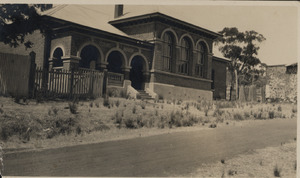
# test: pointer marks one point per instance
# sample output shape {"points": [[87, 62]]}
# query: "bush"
{"points": [[238, 117], [130, 123], [91, 104], [294, 110], [1, 111]]}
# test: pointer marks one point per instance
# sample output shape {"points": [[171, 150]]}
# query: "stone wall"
{"points": [[281, 85]]}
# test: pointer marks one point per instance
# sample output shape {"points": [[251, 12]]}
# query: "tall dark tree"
{"points": [[242, 49], [19, 20]]}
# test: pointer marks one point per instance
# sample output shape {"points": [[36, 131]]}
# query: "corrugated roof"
{"points": [[96, 17]]}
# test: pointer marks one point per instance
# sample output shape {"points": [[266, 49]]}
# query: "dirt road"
{"points": [[163, 155]]}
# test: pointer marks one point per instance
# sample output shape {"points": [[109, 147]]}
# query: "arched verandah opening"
{"points": [[115, 62], [137, 76], [89, 56], [57, 57]]}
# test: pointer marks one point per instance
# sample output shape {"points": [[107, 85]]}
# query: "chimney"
{"points": [[118, 10]]}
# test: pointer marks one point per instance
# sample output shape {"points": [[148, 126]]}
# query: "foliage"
{"points": [[19, 20], [242, 49]]}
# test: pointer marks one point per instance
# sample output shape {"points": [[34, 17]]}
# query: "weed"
{"points": [[162, 106], [97, 105], [271, 115], [106, 102], [206, 111], [134, 109], [1, 111], [78, 130], [222, 161], [156, 113], [73, 107], [294, 110], [277, 171], [117, 103], [143, 105], [261, 163], [279, 108], [238, 117], [140, 122], [124, 105], [295, 165], [246, 114], [212, 125], [91, 104], [218, 112], [231, 172]]}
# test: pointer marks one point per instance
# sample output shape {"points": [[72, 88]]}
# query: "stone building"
{"points": [[282, 82], [144, 49]]}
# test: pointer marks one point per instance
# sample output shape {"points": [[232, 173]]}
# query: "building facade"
{"points": [[151, 51]]}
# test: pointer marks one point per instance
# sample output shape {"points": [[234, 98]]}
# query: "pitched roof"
{"points": [[99, 16], [134, 11], [92, 16]]}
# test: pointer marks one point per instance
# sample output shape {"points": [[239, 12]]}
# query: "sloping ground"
{"points": [[174, 154]]}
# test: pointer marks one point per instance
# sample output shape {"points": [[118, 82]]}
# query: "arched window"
{"points": [[168, 48], [186, 52], [201, 61]]}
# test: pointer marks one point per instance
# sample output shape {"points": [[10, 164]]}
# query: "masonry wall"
{"points": [[38, 47], [281, 85], [170, 92]]}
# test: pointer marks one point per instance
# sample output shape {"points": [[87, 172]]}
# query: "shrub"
{"points": [[73, 107], [130, 123], [91, 104], [206, 111], [106, 102], [294, 110], [246, 114], [1, 111], [238, 117], [218, 112]]}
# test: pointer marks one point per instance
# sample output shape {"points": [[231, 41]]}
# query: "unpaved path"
{"points": [[163, 155]]}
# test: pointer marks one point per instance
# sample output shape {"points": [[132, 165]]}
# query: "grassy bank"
{"points": [[37, 124]]}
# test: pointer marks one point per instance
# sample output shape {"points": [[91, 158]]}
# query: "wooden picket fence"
{"points": [[82, 83]]}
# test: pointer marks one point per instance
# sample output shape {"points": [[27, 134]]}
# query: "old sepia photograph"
{"points": [[162, 89]]}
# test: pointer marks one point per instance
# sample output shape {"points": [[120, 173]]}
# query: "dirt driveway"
{"points": [[162, 155]]}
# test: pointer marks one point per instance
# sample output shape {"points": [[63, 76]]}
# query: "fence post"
{"points": [[72, 82], [105, 83], [31, 75]]}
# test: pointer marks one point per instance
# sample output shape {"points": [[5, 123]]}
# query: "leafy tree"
{"points": [[242, 49], [19, 20]]}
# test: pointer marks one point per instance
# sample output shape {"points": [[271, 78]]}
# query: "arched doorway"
{"points": [[115, 62], [89, 56], [57, 54], [136, 73]]}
